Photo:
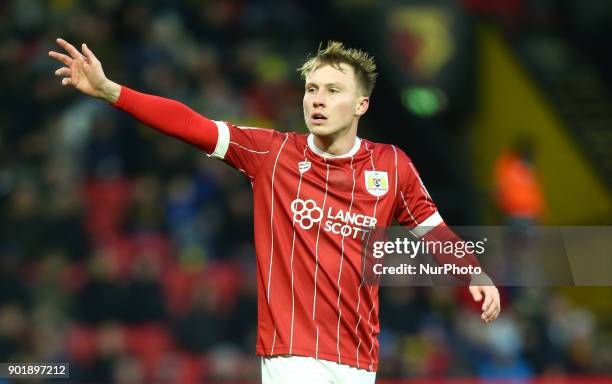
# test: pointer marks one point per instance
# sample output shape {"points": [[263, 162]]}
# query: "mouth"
{"points": [[318, 118]]}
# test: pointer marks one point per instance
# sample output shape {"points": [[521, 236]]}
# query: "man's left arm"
{"points": [[416, 210]]}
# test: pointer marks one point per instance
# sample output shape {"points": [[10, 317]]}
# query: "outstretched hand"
{"points": [[83, 71], [491, 306]]}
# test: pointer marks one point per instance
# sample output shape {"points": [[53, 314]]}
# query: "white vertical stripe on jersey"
{"points": [[314, 299], [272, 231], [423, 189], [408, 209], [340, 270], [223, 140], [273, 341], [362, 278], [371, 330], [395, 153], [291, 263], [272, 220]]}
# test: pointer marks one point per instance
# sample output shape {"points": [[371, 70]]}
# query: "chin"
{"points": [[321, 131]]}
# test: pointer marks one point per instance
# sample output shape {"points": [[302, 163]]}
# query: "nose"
{"points": [[318, 100]]}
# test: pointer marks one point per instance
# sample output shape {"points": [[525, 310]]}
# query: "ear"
{"points": [[363, 102]]}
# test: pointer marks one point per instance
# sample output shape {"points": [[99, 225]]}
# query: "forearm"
{"points": [[167, 116], [442, 236]]}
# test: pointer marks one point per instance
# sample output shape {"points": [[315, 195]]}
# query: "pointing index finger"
{"points": [[69, 48]]}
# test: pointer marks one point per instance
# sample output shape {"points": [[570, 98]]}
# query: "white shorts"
{"points": [[308, 370]]}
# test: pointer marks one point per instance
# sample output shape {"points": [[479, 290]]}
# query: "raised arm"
{"points": [[83, 71]]}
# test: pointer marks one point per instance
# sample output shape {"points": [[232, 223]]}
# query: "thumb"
{"points": [[476, 294]]}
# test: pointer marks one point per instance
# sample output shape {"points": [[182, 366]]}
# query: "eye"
{"points": [[310, 90], [334, 90]]}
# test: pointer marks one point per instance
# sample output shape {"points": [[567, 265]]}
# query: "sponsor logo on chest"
{"points": [[306, 214]]}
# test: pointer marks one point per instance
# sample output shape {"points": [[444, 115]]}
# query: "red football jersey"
{"points": [[311, 209]]}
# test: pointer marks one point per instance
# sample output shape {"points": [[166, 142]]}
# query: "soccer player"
{"points": [[314, 195]]}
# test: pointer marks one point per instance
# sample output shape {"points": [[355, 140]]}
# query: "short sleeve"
{"points": [[414, 206], [244, 148]]}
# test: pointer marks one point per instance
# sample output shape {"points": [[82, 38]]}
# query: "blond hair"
{"points": [[335, 54]]}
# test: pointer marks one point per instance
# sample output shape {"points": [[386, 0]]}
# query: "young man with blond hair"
{"points": [[315, 196]]}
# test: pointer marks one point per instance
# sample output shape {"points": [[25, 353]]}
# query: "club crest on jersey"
{"points": [[377, 182], [304, 166]]}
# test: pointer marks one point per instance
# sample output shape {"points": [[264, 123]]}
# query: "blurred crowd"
{"points": [[129, 254]]}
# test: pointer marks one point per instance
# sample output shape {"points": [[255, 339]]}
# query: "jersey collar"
{"points": [[322, 153]]}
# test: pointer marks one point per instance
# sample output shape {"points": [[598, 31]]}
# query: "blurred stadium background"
{"points": [[129, 254]]}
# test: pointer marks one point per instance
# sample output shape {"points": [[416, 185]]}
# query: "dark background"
{"points": [[129, 254]]}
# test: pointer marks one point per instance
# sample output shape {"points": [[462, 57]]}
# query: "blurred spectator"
{"points": [[143, 299], [202, 326], [504, 358], [241, 327], [107, 227], [519, 193], [102, 298], [13, 330], [146, 212]]}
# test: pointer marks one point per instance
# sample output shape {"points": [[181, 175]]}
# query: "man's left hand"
{"points": [[491, 306]]}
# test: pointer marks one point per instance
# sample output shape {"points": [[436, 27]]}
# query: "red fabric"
{"points": [[443, 234], [169, 117], [312, 299], [311, 295]]}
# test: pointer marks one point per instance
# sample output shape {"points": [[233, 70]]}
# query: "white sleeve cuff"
{"points": [[223, 141], [427, 225]]}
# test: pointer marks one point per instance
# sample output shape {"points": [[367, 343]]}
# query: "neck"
{"points": [[336, 145]]}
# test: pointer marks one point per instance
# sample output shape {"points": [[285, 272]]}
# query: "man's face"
{"points": [[332, 100]]}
